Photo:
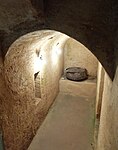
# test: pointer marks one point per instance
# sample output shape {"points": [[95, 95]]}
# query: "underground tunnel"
{"points": [[39, 41], [34, 68]]}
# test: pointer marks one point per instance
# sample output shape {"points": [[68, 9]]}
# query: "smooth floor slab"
{"points": [[68, 125], [85, 88]]}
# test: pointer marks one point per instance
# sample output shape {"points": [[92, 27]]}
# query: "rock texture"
{"points": [[33, 62], [93, 23], [76, 74], [23, 113], [78, 55]]}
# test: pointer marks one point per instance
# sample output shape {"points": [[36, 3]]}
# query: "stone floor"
{"points": [[68, 125]]}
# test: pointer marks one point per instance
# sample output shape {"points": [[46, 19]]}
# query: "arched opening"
{"points": [[34, 69]]}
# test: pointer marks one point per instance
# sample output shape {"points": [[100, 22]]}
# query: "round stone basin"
{"points": [[76, 73]]}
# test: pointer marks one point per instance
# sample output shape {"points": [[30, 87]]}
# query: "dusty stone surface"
{"points": [[77, 55], [78, 88], [106, 140], [93, 23], [76, 74], [22, 111], [2, 87], [27, 111], [99, 92], [108, 135], [15, 12], [18, 18], [68, 126]]}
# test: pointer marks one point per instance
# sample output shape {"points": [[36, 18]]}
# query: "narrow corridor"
{"points": [[69, 124]]}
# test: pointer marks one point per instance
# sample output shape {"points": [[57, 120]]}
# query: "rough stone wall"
{"points": [[99, 91], [90, 22], [108, 135], [18, 18], [1, 87], [108, 130], [22, 112], [116, 48], [77, 55], [93, 23], [103, 132], [10, 16]]}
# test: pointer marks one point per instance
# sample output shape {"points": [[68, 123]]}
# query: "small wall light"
{"points": [[39, 63], [41, 58], [58, 51]]}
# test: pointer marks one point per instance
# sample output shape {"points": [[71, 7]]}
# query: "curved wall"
{"points": [[77, 55], [26, 112], [43, 52], [93, 23]]}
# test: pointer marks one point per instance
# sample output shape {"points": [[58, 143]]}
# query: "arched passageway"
{"points": [[93, 23], [93, 28], [41, 55]]}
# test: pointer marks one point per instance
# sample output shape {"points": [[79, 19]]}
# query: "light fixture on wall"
{"points": [[58, 51], [41, 58], [38, 63]]}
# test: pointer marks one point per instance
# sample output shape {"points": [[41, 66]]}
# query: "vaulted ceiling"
{"points": [[91, 22]]}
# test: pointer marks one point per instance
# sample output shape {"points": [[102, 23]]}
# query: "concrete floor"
{"points": [[69, 124]]}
